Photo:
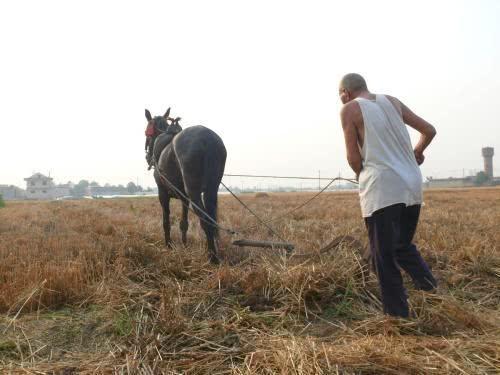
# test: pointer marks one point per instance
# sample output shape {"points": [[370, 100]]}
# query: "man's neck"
{"points": [[365, 94]]}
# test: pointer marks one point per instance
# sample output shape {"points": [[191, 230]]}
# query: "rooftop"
{"points": [[37, 176]]}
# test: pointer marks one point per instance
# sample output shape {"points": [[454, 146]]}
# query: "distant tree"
{"points": [[481, 178], [132, 188], [80, 189], [94, 184], [2, 202]]}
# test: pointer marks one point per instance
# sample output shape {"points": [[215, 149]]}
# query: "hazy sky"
{"points": [[75, 78]]}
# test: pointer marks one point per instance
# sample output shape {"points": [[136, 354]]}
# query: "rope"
{"points": [[254, 214], [300, 205], [214, 223]]}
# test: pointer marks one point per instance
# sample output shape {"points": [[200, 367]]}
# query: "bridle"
{"points": [[153, 132]]}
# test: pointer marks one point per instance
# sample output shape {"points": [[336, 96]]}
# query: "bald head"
{"points": [[353, 83], [351, 86]]}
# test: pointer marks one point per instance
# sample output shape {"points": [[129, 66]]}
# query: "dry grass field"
{"points": [[88, 287]]}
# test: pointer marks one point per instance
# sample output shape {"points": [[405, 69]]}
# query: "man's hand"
{"points": [[419, 155], [426, 130], [357, 174]]}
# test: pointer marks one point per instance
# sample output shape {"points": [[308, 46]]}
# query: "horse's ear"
{"points": [[176, 121], [148, 115], [167, 113]]}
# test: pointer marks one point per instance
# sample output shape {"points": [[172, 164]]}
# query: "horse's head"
{"points": [[156, 125], [160, 125], [174, 127]]}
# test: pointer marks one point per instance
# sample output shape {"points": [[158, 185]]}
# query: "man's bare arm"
{"points": [[351, 139], [426, 130]]}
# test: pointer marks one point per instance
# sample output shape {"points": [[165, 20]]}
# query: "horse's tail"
{"points": [[214, 163]]}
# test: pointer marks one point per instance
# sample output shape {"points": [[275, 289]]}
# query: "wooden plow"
{"points": [[265, 244]]}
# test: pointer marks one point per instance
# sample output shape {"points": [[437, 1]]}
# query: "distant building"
{"points": [[63, 190], [449, 182], [42, 187], [488, 153], [39, 186], [11, 192], [468, 181], [103, 191]]}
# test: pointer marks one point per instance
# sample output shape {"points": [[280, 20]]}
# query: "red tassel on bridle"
{"points": [[150, 130]]}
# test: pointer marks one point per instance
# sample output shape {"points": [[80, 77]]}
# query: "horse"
{"points": [[188, 163]]}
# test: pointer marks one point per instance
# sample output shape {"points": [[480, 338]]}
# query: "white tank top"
{"points": [[390, 173]]}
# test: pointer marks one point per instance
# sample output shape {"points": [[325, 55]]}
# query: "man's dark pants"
{"points": [[391, 230]]}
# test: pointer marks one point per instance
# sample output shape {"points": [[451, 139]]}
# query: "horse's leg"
{"points": [[165, 205], [210, 203], [184, 224], [195, 197]]}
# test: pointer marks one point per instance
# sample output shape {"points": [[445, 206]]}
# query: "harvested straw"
{"points": [[116, 301]]}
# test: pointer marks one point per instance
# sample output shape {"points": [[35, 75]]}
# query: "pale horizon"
{"points": [[76, 78]]}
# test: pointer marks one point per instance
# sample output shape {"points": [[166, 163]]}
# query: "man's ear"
{"points": [[148, 116], [167, 113]]}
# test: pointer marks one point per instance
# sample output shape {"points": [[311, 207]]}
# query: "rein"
{"points": [[174, 129]]}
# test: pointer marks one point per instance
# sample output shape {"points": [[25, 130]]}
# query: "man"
{"points": [[379, 151]]}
